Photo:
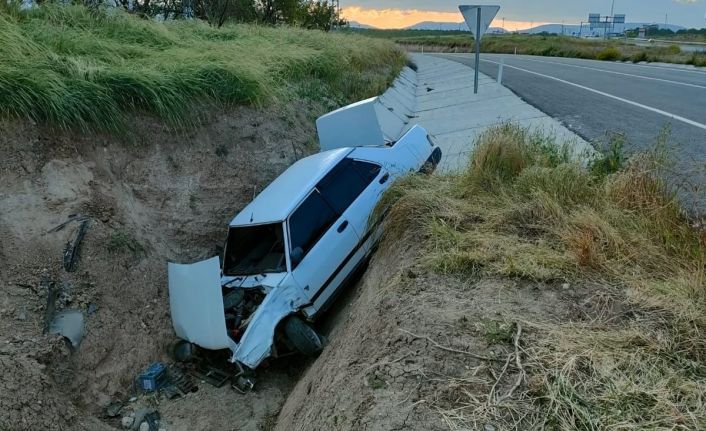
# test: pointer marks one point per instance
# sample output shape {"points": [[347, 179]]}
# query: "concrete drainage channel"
{"points": [[439, 97]]}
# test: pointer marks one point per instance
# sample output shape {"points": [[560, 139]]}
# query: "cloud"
{"points": [[400, 18]]}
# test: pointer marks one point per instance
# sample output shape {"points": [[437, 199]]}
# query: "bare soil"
{"points": [[396, 359], [153, 196]]}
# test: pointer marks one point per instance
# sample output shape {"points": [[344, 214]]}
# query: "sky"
{"points": [[520, 14]]}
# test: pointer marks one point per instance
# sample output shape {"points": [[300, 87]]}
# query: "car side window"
{"points": [[310, 221], [346, 182]]}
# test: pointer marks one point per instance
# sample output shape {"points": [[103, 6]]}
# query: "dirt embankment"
{"points": [[409, 342], [152, 196]]}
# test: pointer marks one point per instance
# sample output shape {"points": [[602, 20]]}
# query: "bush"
{"points": [[639, 57], [608, 54]]}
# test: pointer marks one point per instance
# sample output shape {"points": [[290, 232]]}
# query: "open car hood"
{"points": [[196, 303]]}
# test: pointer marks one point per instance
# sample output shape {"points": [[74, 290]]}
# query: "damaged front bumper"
{"points": [[198, 314]]}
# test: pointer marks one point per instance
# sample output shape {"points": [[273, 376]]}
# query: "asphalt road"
{"points": [[593, 98]]}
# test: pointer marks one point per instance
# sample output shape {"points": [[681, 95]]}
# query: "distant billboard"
{"points": [[618, 19], [594, 18]]}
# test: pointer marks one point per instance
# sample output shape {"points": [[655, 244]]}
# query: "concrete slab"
{"points": [[439, 96]]}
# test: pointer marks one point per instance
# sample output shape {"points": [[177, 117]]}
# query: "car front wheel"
{"points": [[303, 337]]}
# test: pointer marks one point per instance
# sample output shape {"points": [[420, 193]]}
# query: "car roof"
{"points": [[280, 198]]}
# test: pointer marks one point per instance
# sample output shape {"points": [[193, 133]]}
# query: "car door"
{"points": [[325, 239], [374, 181]]}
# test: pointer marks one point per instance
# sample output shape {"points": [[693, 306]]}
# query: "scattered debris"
{"points": [[153, 377], [71, 218], [146, 419], [211, 375], [72, 248], [113, 409], [184, 351], [69, 323], [127, 421], [182, 381]]}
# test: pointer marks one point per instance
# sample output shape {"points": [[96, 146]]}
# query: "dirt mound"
{"points": [[410, 338], [151, 196]]}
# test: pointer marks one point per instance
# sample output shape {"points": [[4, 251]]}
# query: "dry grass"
{"points": [[523, 209]]}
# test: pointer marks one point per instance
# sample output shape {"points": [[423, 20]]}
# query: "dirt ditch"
{"points": [[152, 196]]}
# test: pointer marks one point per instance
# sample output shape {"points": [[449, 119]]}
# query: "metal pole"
{"points": [[475, 81], [500, 70]]}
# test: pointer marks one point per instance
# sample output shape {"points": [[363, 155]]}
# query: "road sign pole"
{"points": [[478, 18], [478, 35]]}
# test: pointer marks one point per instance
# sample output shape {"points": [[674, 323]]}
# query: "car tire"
{"points": [[303, 337]]}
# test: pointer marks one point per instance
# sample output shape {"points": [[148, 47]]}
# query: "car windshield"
{"points": [[254, 250]]}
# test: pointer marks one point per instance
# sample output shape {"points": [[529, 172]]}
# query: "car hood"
{"points": [[196, 303]]}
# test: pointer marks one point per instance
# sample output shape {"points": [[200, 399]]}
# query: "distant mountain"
{"points": [[447, 26], [356, 24], [567, 29], [570, 29]]}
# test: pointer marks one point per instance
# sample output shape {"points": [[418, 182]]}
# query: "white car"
{"points": [[289, 252]]}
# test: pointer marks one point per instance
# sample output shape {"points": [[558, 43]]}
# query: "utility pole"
{"points": [[504, 31]]}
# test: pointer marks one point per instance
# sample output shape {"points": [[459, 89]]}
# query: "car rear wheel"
{"points": [[303, 337]]}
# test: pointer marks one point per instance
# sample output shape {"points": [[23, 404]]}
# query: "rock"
{"points": [[144, 426], [127, 421], [488, 427], [565, 286], [139, 418]]}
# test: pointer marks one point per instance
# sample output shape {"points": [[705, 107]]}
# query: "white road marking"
{"points": [[592, 90], [619, 73], [663, 66]]}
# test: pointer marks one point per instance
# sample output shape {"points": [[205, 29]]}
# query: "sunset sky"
{"points": [[520, 14]]}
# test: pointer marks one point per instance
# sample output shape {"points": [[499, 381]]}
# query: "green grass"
{"points": [[523, 210], [71, 67], [544, 45]]}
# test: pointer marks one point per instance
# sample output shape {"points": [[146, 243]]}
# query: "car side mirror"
{"points": [[296, 255]]}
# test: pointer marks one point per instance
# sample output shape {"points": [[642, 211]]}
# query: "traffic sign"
{"points": [[470, 14], [478, 19]]}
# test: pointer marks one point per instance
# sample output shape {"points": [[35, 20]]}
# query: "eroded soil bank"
{"points": [[152, 196]]}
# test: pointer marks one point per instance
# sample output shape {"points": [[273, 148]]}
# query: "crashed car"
{"points": [[291, 250]]}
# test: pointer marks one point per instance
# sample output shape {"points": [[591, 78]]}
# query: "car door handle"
{"points": [[342, 226], [384, 178]]}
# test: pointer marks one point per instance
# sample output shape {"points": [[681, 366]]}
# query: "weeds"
{"points": [[523, 209], [72, 67], [121, 241], [608, 54]]}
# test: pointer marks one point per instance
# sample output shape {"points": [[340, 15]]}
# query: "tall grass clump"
{"points": [[72, 67], [523, 209]]}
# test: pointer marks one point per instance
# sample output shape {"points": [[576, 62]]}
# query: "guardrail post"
{"points": [[500, 70]]}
